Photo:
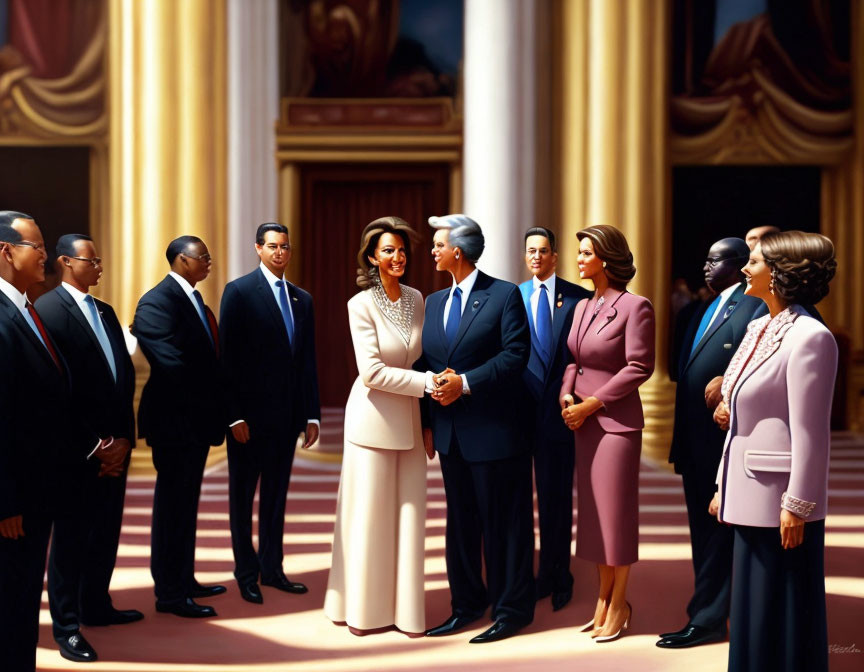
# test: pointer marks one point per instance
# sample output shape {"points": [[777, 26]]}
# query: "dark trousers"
{"points": [[179, 471], [22, 566], [778, 620], [268, 460], [711, 543], [553, 475], [490, 504], [84, 551]]}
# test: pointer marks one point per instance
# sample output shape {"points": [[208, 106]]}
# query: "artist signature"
{"points": [[838, 648]]}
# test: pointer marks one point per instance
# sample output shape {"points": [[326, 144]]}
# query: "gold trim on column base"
{"points": [[658, 402]]}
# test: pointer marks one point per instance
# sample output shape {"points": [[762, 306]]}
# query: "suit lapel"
{"points": [[298, 314], [474, 304], [18, 320], [70, 305], [268, 304], [186, 308], [437, 313], [608, 312], [727, 310]]}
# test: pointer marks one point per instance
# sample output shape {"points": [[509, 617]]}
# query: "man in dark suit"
{"points": [[182, 414], [267, 330], [476, 333], [549, 303], [84, 546], [44, 446], [714, 332]]}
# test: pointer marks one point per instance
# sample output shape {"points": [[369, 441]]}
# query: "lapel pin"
{"points": [[559, 304], [476, 303], [294, 297], [559, 296]]}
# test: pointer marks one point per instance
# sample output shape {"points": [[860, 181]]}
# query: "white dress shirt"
{"points": [[535, 296], [724, 297]]}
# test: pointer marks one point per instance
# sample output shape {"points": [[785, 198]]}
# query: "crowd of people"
{"points": [[499, 380]]}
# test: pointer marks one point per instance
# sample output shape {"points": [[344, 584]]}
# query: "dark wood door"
{"points": [[338, 201]]}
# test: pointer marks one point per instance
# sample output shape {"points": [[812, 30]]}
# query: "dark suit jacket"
{"points": [[40, 437], [697, 442], [271, 385], [491, 348], [542, 385], [183, 400], [104, 405]]}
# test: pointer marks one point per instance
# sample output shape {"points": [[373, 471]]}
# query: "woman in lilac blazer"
{"points": [[773, 478], [612, 345]]}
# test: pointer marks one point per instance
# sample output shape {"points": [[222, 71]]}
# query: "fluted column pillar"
{"points": [[253, 108], [499, 73], [842, 220], [614, 165], [167, 141]]}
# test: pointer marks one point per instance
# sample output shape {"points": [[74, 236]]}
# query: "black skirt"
{"points": [[777, 619]]}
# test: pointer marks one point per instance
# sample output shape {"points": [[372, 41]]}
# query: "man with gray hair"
{"points": [[476, 333]]}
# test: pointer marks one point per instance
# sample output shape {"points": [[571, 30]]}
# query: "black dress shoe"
{"points": [[693, 635], [251, 592], [677, 633], [283, 584], [499, 630], [560, 598], [188, 608], [205, 591], [114, 617], [75, 647], [451, 625]]}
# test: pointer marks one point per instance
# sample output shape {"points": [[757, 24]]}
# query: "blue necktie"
{"points": [[286, 310], [706, 320], [543, 325], [454, 316], [101, 334], [202, 313]]}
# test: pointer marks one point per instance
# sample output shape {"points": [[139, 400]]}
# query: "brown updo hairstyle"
{"points": [[367, 273], [610, 246], [802, 264]]}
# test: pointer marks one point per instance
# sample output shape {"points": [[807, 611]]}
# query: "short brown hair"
{"points": [[366, 272], [611, 246], [802, 264]]}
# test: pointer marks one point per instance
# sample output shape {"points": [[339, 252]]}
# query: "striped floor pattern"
{"points": [[291, 633]]}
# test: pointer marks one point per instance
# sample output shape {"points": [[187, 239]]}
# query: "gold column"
{"points": [[842, 220], [167, 141], [614, 163]]}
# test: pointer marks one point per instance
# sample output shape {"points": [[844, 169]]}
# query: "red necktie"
{"points": [[38, 322], [214, 327]]}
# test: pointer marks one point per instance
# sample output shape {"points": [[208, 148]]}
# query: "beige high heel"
{"points": [[626, 626]]}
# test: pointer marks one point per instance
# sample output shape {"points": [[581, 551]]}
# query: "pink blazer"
{"points": [[779, 393], [613, 354]]}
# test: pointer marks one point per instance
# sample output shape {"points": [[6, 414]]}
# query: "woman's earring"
{"points": [[771, 284], [456, 255], [604, 264]]}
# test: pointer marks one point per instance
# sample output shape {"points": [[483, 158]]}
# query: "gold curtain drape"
{"points": [[167, 141], [614, 167]]}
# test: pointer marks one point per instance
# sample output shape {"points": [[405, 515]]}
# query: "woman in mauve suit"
{"points": [[612, 344], [376, 576], [773, 477]]}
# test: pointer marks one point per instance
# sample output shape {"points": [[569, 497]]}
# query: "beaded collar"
{"points": [[400, 313], [762, 340]]}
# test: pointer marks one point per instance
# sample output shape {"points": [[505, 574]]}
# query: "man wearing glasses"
{"points": [[43, 445], [268, 340], [713, 335], [182, 414], [84, 545]]}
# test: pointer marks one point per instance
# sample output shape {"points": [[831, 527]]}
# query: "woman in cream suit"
{"points": [[773, 478], [376, 576]]}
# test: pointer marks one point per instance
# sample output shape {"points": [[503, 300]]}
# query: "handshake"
{"points": [[111, 454], [447, 387]]}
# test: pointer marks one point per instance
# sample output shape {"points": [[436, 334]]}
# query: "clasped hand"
{"points": [[112, 456], [448, 387], [721, 415], [575, 414]]}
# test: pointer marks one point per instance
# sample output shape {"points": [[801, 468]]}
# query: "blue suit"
{"points": [[552, 440], [485, 455]]}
